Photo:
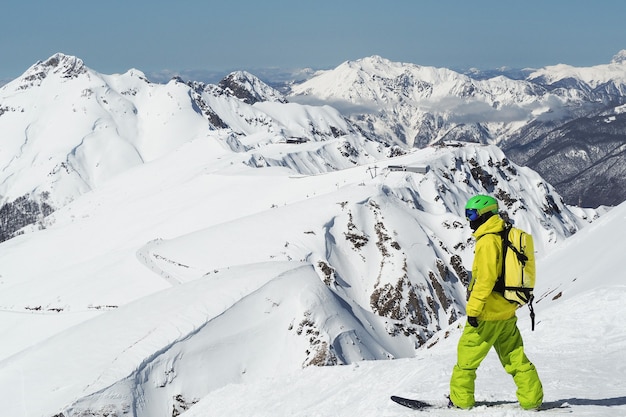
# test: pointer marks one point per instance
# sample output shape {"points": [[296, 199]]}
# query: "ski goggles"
{"points": [[471, 214]]}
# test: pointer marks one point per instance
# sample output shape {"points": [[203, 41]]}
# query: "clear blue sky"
{"points": [[113, 36]]}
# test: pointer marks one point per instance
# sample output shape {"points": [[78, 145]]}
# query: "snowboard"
{"points": [[413, 404], [423, 405]]}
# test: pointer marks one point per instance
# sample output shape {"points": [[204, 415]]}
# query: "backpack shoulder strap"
{"points": [[504, 234], [520, 256]]}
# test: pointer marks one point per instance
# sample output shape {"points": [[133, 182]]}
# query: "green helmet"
{"points": [[479, 205]]}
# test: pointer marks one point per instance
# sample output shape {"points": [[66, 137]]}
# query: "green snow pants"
{"points": [[473, 347]]}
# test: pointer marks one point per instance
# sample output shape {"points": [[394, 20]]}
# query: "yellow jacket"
{"points": [[483, 302]]}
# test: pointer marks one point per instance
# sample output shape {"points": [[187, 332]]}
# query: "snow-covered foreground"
{"points": [[146, 297], [578, 348]]}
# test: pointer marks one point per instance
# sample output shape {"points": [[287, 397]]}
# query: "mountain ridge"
{"points": [[414, 106]]}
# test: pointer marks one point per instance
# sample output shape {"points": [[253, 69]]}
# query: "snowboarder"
{"points": [[491, 319]]}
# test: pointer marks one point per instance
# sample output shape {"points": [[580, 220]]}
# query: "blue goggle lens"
{"points": [[471, 214]]}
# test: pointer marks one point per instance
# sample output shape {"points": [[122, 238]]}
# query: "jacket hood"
{"points": [[494, 224]]}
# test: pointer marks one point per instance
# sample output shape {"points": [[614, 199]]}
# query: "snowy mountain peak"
{"points": [[249, 89], [135, 73], [373, 63], [415, 106], [66, 66], [397, 76], [619, 58]]}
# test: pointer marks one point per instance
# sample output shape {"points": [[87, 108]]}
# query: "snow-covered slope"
{"points": [[77, 128], [195, 270], [577, 347], [174, 355]]}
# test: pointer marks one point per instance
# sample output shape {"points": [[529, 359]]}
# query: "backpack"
{"points": [[517, 280]]}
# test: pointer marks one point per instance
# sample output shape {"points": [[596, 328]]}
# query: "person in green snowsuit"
{"points": [[491, 320]]}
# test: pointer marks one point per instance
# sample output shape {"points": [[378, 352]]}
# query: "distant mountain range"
{"points": [[59, 120], [565, 122]]}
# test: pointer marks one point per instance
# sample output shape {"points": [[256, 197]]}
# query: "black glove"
{"points": [[473, 321]]}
